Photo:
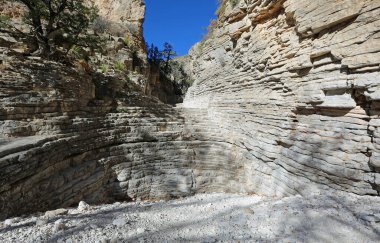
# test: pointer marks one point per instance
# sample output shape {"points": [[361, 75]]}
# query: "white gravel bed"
{"points": [[207, 218]]}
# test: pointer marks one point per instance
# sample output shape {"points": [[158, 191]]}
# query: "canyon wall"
{"points": [[285, 101], [296, 85], [71, 133], [66, 137]]}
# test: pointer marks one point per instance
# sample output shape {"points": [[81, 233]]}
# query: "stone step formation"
{"points": [[298, 86], [286, 101]]}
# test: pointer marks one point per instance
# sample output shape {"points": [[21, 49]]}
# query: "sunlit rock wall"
{"points": [[286, 101], [123, 18], [296, 86]]}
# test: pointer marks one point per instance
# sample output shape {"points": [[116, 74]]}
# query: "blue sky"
{"points": [[179, 22]]}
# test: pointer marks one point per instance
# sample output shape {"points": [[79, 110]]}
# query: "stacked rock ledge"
{"points": [[285, 101]]}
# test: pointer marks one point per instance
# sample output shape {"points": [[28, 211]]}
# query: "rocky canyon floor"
{"points": [[207, 218]]}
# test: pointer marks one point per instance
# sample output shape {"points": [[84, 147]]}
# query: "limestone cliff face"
{"points": [[60, 125], [124, 18], [286, 101], [122, 11], [69, 134], [296, 85]]}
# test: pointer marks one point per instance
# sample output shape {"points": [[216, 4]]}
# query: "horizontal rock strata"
{"points": [[295, 84], [286, 101], [65, 139]]}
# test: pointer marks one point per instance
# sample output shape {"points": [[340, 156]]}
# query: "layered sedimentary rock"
{"points": [[295, 85], [67, 136], [120, 25], [123, 15], [286, 101], [68, 133], [71, 133], [123, 19]]}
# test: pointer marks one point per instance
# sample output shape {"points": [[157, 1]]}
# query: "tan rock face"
{"points": [[124, 18], [296, 84], [313, 18], [11, 9], [121, 11]]}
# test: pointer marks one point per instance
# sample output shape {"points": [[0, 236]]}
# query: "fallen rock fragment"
{"points": [[83, 206], [119, 222], [57, 212], [59, 225], [10, 222], [42, 221]]}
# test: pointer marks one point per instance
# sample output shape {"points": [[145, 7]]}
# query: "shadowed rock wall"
{"points": [[64, 138]]}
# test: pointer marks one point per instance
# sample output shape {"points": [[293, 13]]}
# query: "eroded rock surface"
{"points": [[123, 18], [68, 136], [281, 106], [295, 85]]}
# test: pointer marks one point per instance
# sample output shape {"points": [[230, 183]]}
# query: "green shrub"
{"points": [[127, 40], [4, 21], [234, 3], [104, 67], [119, 65], [201, 45], [212, 26], [79, 53]]}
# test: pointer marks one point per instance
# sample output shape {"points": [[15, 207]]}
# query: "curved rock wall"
{"points": [[286, 101], [296, 86], [68, 136]]}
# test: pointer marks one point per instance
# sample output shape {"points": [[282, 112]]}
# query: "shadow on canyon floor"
{"points": [[311, 224]]}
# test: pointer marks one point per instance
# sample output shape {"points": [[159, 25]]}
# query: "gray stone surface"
{"points": [[70, 141], [294, 84], [214, 218], [274, 110]]}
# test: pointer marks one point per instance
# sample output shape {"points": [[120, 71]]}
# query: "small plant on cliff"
{"points": [[104, 67], [127, 40], [101, 25], [79, 52], [210, 29], [57, 24], [221, 9], [119, 65], [4, 21], [201, 46], [234, 3]]}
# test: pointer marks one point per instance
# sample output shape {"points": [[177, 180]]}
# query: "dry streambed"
{"points": [[207, 218]]}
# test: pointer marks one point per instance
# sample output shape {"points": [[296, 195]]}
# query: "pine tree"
{"points": [[168, 53], [154, 55]]}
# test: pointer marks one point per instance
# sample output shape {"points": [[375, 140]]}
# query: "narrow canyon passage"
{"points": [[280, 126]]}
